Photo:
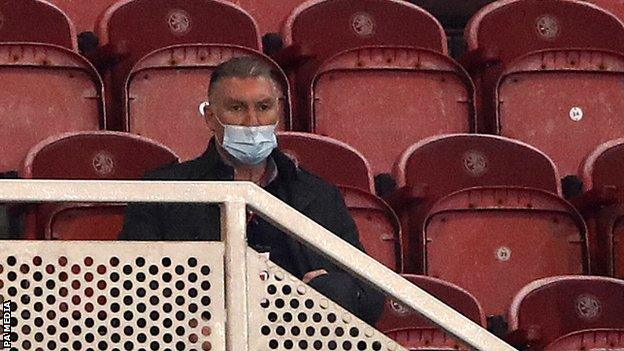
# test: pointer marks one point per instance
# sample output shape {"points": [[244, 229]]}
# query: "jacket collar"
{"points": [[299, 193]]}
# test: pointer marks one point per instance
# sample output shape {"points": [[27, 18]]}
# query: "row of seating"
{"points": [[409, 85], [558, 313], [473, 238], [494, 189]]}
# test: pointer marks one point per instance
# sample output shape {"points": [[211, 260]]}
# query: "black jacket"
{"points": [[308, 194]]}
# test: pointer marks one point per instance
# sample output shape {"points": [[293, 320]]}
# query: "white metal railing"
{"points": [[235, 198]]}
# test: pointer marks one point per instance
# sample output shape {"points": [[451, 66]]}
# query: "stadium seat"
{"points": [[327, 158], [603, 177], [35, 21], [83, 13], [378, 225], [492, 241], [415, 333], [318, 30], [505, 30], [88, 155], [269, 14], [131, 29], [166, 87], [469, 160], [380, 100], [543, 100], [570, 313], [327, 27], [46, 90]]}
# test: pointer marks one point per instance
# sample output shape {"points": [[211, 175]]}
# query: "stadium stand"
{"points": [[165, 89], [348, 167], [569, 313], [413, 332], [101, 155], [508, 29], [131, 29], [492, 241], [441, 165]]}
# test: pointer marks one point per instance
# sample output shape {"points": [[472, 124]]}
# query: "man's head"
{"points": [[244, 92]]}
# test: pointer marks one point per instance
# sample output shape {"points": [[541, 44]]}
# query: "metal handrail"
{"points": [[235, 197]]}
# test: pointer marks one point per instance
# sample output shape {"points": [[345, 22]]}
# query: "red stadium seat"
{"points": [[46, 90], [564, 313], [472, 160], [378, 225], [36, 21], [542, 100], [170, 115], [84, 13], [327, 27], [415, 333], [505, 30], [89, 155], [380, 100], [330, 159], [320, 29], [603, 177], [131, 29], [492, 241]]}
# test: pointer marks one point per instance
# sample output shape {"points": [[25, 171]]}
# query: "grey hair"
{"points": [[243, 67]]}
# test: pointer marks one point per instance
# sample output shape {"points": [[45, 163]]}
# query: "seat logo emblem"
{"points": [[588, 307], [103, 163], [363, 24], [179, 22], [547, 27], [503, 254], [475, 163], [576, 114]]}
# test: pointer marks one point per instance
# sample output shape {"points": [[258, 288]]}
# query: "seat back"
{"points": [[377, 224], [505, 30], [46, 90], [84, 221], [134, 28], [542, 100], [36, 21], [380, 100], [553, 307], [616, 7], [89, 155], [472, 160], [413, 332], [494, 240], [330, 159], [166, 87], [508, 29], [590, 340], [327, 27], [83, 13], [271, 15]]}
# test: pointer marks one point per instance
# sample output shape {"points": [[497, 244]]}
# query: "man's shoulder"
{"points": [[188, 170], [314, 183]]}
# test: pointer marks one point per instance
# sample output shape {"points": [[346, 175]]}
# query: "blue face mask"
{"points": [[249, 145]]}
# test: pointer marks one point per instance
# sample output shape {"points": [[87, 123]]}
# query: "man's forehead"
{"points": [[257, 88]]}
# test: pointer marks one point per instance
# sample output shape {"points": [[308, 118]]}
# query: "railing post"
{"points": [[233, 231]]}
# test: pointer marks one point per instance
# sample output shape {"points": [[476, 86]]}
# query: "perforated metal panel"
{"points": [[286, 314], [114, 296]]}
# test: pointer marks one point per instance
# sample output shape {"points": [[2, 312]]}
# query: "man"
{"points": [[243, 111]]}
